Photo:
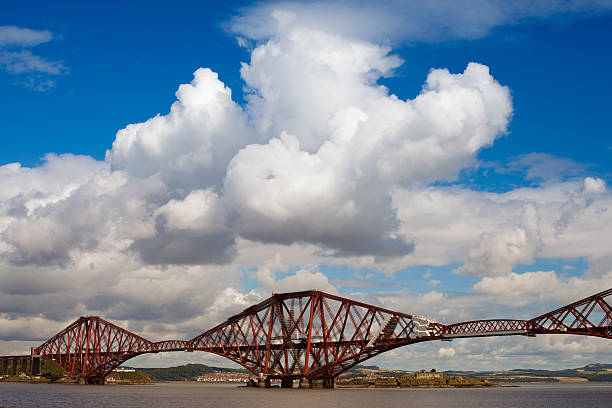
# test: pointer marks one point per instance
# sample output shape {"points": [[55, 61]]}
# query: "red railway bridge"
{"points": [[303, 336]]}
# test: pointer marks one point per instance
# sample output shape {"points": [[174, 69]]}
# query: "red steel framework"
{"points": [[305, 335]]}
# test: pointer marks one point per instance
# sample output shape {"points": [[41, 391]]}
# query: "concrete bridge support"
{"points": [[35, 365], [325, 382], [24, 365], [329, 382], [305, 383], [14, 365], [263, 383], [287, 383]]}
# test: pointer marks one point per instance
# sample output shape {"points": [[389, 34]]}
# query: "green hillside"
{"points": [[590, 372], [185, 372]]}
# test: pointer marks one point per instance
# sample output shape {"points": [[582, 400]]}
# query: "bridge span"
{"points": [[306, 336]]}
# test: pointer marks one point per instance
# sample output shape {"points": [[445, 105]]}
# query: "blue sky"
{"points": [[239, 196]]}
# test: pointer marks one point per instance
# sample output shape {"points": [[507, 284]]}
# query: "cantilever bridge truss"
{"points": [[306, 335]]}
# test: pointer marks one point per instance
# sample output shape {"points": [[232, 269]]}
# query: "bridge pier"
{"points": [[325, 382], [92, 381], [13, 367], [97, 380], [329, 382], [263, 383], [35, 365], [24, 365], [287, 383], [317, 383], [305, 383]]}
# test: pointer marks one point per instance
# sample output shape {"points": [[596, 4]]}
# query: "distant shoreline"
{"points": [[362, 386]]}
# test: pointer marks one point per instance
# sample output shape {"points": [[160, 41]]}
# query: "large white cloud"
{"points": [[489, 233], [333, 145], [340, 143], [515, 242], [543, 286], [190, 146]]}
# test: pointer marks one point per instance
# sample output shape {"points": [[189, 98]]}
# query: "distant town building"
{"points": [[422, 375], [124, 370], [224, 377]]}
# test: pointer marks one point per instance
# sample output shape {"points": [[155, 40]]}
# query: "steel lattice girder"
{"points": [[91, 347], [307, 334], [589, 316]]}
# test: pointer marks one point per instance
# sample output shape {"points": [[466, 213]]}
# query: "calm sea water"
{"points": [[213, 396]]}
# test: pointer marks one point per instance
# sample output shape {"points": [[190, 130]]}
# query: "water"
{"points": [[227, 396]]}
